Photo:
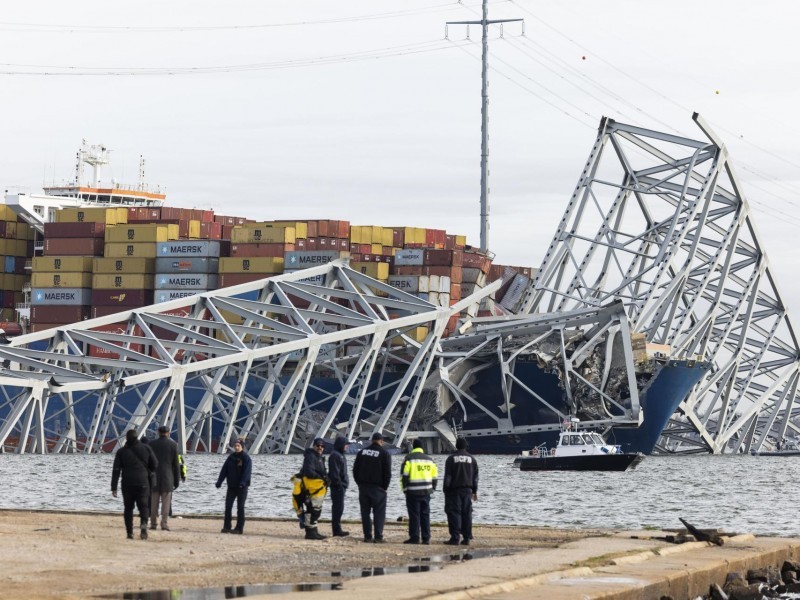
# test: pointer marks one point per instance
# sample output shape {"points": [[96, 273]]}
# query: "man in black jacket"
{"points": [[167, 477], [134, 461], [372, 472], [460, 489], [315, 481], [236, 471], [337, 472]]}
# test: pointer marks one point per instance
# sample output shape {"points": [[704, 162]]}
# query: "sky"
{"points": [[311, 109]]}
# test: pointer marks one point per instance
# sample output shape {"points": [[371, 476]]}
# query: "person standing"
{"points": [[236, 471], [315, 481], [167, 477], [337, 472], [372, 472], [460, 490], [134, 461], [418, 479]]}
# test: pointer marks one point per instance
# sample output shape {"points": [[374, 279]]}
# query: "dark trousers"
{"points": [[419, 516], [372, 499], [458, 507], [140, 496], [337, 508], [240, 495]]}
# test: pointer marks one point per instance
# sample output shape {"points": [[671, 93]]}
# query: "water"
{"points": [[735, 493]]}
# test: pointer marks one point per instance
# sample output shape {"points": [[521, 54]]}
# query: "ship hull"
{"points": [[606, 462]]}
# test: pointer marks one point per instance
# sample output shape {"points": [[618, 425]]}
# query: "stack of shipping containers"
{"points": [[186, 267], [256, 252], [16, 245]]}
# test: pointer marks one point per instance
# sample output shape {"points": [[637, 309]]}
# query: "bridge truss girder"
{"points": [[661, 223], [251, 360]]}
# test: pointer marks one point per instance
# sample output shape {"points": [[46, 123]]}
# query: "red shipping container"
{"points": [[356, 257], [8, 299], [37, 327], [344, 230], [144, 214], [122, 298], [473, 260], [430, 238], [398, 237], [19, 265], [322, 229], [29, 248], [449, 242], [439, 238], [312, 230], [74, 246], [104, 311], [183, 226], [227, 230], [344, 244], [455, 291], [87, 229], [211, 231], [408, 270], [254, 250], [452, 258], [312, 244], [204, 216], [223, 220], [299, 244], [170, 213], [61, 314], [229, 279]]}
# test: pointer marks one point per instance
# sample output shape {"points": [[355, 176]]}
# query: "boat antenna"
{"points": [[484, 23]]}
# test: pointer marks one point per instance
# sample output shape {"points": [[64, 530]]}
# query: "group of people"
{"points": [[152, 471], [372, 473]]}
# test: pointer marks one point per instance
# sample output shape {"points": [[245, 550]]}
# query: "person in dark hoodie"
{"points": [[236, 471], [134, 461], [337, 472], [315, 481], [167, 477], [460, 490], [372, 472]]}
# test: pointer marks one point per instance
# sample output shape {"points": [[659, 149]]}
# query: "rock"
{"points": [[793, 588], [789, 565], [768, 575], [789, 576], [716, 593], [749, 592], [733, 580]]}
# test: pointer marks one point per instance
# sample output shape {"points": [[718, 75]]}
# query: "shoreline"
{"points": [[71, 555]]}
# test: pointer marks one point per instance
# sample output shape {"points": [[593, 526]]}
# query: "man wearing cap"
{"points": [[236, 471], [460, 489], [418, 478], [315, 481], [372, 472], [168, 476]]}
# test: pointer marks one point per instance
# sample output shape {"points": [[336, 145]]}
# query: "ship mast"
{"points": [[484, 23]]}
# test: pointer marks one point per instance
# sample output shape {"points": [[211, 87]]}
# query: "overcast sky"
{"points": [[363, 111]]}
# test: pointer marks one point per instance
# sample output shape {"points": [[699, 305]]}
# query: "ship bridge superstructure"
{"points": [[279, 361], [660, 223]]}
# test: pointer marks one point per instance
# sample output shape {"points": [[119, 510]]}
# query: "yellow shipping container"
{"points": [[123, 281], [260, 264], [461, 241], [3, 277], [143, 233], [389, 250], [263, 234], [355, 234], [61, 280], [11, 231], [376, 248], [7, 314], [18, 282], [387, 239], [7, 214], [17, 247], [300, 227], [8, 247], [62, 264], [375, 270], [194, 229], [375, 235], [414, 235], [139, 250], [123, 265], [417, 334], [24, 231], [109, 216]]}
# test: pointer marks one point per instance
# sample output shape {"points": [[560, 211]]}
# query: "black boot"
{"points": [[313, 534]]}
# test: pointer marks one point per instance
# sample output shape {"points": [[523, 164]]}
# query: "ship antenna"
{"points": [[141, 173], [484, 23]]}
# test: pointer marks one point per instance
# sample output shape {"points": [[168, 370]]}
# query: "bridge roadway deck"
{"points": [[51, 554]]}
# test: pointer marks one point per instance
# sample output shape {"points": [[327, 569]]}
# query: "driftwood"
{"points": [[702, 535]]}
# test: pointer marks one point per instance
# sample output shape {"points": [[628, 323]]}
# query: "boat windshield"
{"points": [[597, 439]]}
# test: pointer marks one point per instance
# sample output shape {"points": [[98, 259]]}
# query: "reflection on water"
{"points": [[237, 591], [745, 493]]}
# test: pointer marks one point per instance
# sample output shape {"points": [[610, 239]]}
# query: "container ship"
{"points": [[86, 250]]}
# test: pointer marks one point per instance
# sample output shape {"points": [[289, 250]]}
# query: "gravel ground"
{"points": [[75, 555]]}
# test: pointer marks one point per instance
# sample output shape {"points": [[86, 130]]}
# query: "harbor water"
{"points": [[733, 493]]}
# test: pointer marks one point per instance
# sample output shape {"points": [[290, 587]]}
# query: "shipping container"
{"points": [[210, 231], [378, 271], [109, 216], [121, 298], [139, 250], [405, 283], [62, 264], [59, 314], [186, 248], [167, 295], [188, 281], [300, 227], [144, 213], [259, 232], [61, 296], [61, 280], [409, 257], [201, 215], [474, 260], [439, 258], [231, 279], [9, 264], [75, 230], [189, 264], [253, 250], [8, 229], [123, 265], [37, 327], [73, 246], [265, 264], [123, 281], [303, 260], [315, 280], [146, 232], [312, 244], [104, 311]]}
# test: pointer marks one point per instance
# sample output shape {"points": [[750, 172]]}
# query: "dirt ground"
{"points": [[77, 555]]}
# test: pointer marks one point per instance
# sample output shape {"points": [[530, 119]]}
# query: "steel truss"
{"points": [[279, 361], [660, 222]]}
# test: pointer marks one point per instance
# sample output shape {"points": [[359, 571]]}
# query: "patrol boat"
{"points": [[578, 451]]}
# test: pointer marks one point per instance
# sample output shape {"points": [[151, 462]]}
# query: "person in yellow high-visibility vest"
{"points": [[419, 476]]}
